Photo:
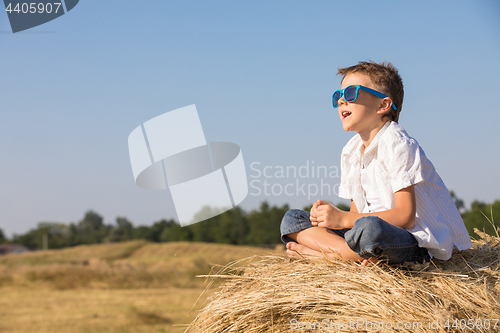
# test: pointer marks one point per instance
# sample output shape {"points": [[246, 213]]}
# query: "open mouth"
{"points": [[345, 114]]}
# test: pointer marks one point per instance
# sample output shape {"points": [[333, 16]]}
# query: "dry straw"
{"points": [[278, 294]]}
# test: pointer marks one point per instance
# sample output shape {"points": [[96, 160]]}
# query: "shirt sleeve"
{"points": [[404, 163]]}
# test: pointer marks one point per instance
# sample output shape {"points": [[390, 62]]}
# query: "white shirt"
{"points": [[372, 203], [394, 161]]}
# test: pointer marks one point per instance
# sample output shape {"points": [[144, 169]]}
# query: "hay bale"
{"points": [[277, 294]]}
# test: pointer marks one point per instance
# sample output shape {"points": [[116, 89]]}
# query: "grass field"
{"points": [[123, 287]]}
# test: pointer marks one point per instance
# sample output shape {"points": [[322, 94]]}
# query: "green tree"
{"points": [[264, 224], [3, 239], [343, 206], [56, 235], [175, 233], [141, 232], [153, 233], [210, 230], [29, 239], [231, 227], [123, 230], [475, 217], [203, 230], [73, 235], [459, 203], [157, 229], [91, 229], [340, 205]]}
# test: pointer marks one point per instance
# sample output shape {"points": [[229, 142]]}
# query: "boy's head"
{"points": [[385, 78]]}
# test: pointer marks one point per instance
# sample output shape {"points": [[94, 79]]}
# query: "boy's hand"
{"points": [[314, 213], [328, 216]]}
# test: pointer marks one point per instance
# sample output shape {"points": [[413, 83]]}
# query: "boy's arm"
{"points": [[403, 215]]}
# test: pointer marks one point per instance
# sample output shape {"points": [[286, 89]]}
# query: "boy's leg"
{"points": [[294, 220], [296, 226], [373, 237], [298, 250], [322, 239]]}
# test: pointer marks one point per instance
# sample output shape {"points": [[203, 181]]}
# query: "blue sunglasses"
{"points": [[351, 94]]}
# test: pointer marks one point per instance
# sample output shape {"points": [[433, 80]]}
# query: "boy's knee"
{"points": [[366, 230], [289, 215], [372, 236], [292, 213], [293, 217], [369, 225], [296, 214]]}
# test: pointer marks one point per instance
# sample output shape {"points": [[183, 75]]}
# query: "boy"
{"points": [[401, 210]]}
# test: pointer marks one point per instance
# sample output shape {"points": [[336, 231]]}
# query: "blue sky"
{"points": [[261, 74]]}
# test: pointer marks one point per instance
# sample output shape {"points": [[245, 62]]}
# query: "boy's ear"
{"points": [[385, 106]]}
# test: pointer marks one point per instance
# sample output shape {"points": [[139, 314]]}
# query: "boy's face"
{"points": [[361, 115]]}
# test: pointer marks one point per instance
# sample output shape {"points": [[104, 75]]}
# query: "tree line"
{"points": [[236, 226]]}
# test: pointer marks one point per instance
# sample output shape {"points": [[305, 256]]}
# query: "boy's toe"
{"points": [[293, 254], [290, 245]]}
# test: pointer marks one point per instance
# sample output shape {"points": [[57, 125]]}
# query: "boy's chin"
{"points": [[346, 128]]}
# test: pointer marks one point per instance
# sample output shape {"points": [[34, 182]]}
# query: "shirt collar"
{"points": [[370, 150]]}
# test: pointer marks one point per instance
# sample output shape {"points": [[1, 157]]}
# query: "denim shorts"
{"points": [[369, 237]]}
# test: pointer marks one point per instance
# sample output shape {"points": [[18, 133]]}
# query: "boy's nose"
{"points": [[342, 100]]}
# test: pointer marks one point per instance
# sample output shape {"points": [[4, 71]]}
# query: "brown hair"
{"points": [[385, 78]]}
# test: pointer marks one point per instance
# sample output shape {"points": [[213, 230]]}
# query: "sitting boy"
{"points": [[401, 210]]}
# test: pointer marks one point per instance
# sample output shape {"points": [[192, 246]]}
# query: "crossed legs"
{"points": [[312, 241], [370, 236]]}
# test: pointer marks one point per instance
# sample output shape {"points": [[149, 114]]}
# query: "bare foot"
{"points": [[294, 250], [299, 251]]}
